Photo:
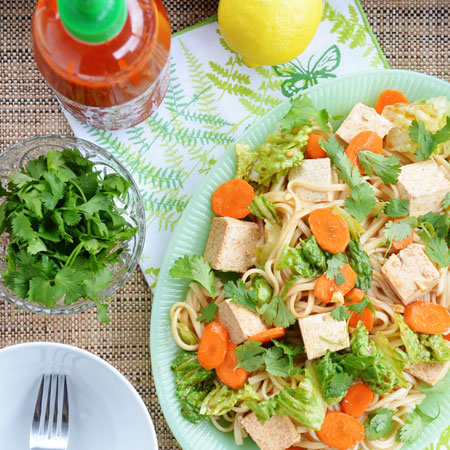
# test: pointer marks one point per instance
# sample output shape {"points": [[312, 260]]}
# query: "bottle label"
{"points": [[126, 114]]}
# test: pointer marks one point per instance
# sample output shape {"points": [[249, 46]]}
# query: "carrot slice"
{"points": [[330, 230], [213, 346], [356, 296], [446, 337], [227, 372], [325, 288], [389, 97], [358, 398], [366, 140], [341, 431], [313, 148], [231, 199], [426, 317], [268, 335]]}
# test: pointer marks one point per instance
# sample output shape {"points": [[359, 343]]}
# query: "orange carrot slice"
{"points": [[313, 148], [366, 140], [325, 288], [389, 97], [213, 346], [341, 431], [268, 335], [426, 317], [231, 199], [358, 398], [227, 372], [330, 230], [356, 296]]}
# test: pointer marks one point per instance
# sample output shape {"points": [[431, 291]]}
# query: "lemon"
{"points": [[268, 31]]}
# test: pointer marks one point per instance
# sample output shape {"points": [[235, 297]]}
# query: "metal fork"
{"points": [[50, 427]]}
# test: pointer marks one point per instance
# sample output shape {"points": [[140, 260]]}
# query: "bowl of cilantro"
{"points": [[72, 226]]}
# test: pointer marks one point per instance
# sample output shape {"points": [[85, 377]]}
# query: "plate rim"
{"points": [[103, 363], [164, 270]]}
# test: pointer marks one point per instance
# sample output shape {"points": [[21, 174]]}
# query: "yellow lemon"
{"points": [[268, 31]]}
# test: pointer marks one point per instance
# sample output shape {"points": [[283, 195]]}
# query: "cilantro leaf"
{"points": [[335, 263], [399, 229], [195, 268], [397, 207], [207, 313], [102, 312], [438, 251], [446, 201], [386, 167], [227, 276], [339, 384], [237, 292], [359, 307], [428, 141], [21, 227], [440, 223], [361, 202], [98, 282], [412, 429], [340, 313], [69, 281], [276, 313], [250, 356], [277, 362], [379, 424], [301, 112], [344, 168]]}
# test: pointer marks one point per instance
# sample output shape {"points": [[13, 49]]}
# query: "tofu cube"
{"points": [[240, 322], [431, 372], [424, 185], [231, 243], [322, 332], [363, 118], [410, 273], [277, 433], [314, 171]]}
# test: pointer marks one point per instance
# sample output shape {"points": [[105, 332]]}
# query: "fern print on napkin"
{"points": [[212, 98]]}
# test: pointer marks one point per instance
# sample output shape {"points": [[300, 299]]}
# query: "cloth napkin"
{"points": [[212, 99]]}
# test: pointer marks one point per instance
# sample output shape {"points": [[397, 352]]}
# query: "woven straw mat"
{"points": [[413, 35]]}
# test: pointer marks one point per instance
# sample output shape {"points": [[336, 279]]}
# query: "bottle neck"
{"points": [[93, 20]]}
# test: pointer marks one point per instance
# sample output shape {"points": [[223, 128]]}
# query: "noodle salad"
{"points": [[317, 316]]}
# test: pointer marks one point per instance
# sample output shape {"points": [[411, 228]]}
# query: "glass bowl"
{"points": [[131, 207]]}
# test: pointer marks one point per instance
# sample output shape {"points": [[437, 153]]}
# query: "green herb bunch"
{"points": [[65, 229]]}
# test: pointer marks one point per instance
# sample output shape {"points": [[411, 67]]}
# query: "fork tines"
{"points": [[51, 415]]}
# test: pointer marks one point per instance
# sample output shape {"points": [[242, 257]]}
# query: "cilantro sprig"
{"points": [[397, 207], [237, 292], [278, 360], [65, 230], [195, 268], [428, 141], [386, 167], [207, 313], [362, 198], [378, 424]]}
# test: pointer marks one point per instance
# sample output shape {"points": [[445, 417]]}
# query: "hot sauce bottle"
{"points": [[106, 60]]}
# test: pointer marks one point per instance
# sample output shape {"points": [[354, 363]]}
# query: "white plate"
{"points": [[106, 412]]}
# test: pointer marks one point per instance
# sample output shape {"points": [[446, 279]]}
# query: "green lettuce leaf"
{"points": [[193, 383], [314, 254], [263, 290], [294, 259], [222, 398], [359, 260], [416, 351]]}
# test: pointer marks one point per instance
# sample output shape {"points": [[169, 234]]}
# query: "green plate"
{"points": [[338, 96]]}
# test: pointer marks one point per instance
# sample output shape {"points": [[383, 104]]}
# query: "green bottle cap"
{"points": [[93, 20]]}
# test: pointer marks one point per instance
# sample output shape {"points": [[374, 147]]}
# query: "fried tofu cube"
{"points": [[231, 243], [410, 273], [277, 433], [430, 372], [314, 171], [424, 185], [363, 118], [322, 332], [240, 322]]}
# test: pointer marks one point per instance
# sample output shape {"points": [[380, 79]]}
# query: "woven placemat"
{"points": [[414, 35]]}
